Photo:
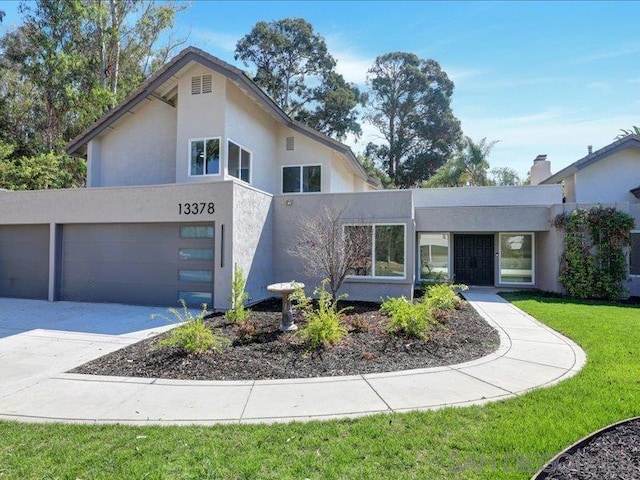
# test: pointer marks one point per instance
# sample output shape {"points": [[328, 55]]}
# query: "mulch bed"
{"points": [[271, 354], [612, 454]]}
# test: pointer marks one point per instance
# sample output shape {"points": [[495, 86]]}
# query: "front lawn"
{"points": [[508, 439]]}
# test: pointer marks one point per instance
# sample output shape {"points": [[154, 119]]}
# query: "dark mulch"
{"points": [[271, 354], [613, 454]]}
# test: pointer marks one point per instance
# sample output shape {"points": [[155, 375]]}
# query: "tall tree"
{"points": [[634, 130], [72, 60], [468, 167], [410, 104], [1, 15], [295, 68]]}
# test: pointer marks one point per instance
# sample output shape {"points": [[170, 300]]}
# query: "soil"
{"points": [[270, 354], [613, 454]]}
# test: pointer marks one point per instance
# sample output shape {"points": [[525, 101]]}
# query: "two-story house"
{"points": [[198, 170]]}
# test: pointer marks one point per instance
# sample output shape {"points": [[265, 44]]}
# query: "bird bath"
{"points": [[285, 289]]}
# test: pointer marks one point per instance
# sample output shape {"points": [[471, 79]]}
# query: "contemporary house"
{"points": [[198, 170]]}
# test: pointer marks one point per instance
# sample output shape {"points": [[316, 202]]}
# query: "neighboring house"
{"points": [[608, 176], [198, 170]]}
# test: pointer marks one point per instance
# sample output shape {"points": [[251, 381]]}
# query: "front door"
{"points": [[473, 257]]}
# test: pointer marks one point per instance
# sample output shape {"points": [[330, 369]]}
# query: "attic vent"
{"points": [[196, 85], [207, 84], [290, 143]]}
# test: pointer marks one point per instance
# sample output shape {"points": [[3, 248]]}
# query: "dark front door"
{"points": [[473, 259]]}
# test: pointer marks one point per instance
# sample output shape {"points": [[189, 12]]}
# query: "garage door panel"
{"points": [[24, 261], [137, 264]]}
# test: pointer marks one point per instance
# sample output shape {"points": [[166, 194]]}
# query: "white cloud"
{"points": [[351, 67], [620, 52], [602, 87]]}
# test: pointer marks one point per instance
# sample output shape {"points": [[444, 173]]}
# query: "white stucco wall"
{"points": [[253, 129], [610, 179], [138, 150], [342, 178], [199, 116]]}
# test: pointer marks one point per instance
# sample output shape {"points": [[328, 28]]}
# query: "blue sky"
{"points": [[540, 77]]}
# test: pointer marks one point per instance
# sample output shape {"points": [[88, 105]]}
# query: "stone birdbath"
{"points": [[285, 289]]}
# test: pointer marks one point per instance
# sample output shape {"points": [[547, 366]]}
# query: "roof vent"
{"points": [[590, 149], [196, 85], [207, 84], [290, 143]]}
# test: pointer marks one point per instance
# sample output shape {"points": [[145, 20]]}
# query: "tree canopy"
{"points": [[69, 62], [468, 167], [410, 104], [295, 68]]}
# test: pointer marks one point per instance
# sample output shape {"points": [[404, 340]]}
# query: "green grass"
{"points": [[507, 439]]}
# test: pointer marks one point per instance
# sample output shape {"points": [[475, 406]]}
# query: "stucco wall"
{"points": [[250, 127], [139, 150], [482, 219], [199, 116], [342, 178], [610, 179], [252, 241], [366, 207]]}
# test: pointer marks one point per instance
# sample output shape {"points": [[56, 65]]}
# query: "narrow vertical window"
{"points": [[517, 258]]}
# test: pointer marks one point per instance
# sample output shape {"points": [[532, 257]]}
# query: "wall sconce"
{"points": [[289, 203]]}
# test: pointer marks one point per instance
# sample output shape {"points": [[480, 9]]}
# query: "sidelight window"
{"points": [[517, 258]]}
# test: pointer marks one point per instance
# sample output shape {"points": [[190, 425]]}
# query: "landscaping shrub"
{"points": [[193, 336], [238, 312], [443, 297], [323, 323], [413, 319]]}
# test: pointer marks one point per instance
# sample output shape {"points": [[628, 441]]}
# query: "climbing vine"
{"points": [[594, 264]]}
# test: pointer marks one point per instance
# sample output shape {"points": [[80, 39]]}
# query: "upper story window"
{"points": [[239, 164], [301, 179], [204, 156]]}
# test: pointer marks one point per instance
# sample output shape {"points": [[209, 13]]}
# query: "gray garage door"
{"points": [[143, 264], [24, 261]]}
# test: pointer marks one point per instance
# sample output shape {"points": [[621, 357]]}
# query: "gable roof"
{"points": [[630, 141], [193, 54]]}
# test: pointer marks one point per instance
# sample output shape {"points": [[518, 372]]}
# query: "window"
{"points": [[195, 254], [205, 156], [196, 231], [516, 258], [634, 254], [195, 298], [195, 275], [239, 164], [301, 179], [434, 256], [383, 255]]}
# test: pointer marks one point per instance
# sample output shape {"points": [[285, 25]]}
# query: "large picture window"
{"points": [[301, 179], [385, 253], [239, 164], [517, 258], [634, 254], [434, 256], [204, 156]]}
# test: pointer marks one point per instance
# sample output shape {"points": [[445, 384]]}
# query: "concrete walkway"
{"points": [[34, 388]]}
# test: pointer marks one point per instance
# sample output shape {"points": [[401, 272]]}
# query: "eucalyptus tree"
{"points": [[293, 65], [410, 105]]}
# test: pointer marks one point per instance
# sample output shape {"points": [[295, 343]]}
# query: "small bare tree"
{"points": [[332, 248]]}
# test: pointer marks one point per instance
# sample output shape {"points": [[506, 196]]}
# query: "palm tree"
{"points": [[628, 131], [469, 167]]}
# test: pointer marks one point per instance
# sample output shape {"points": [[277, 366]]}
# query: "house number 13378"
{"points": [[195, 208]]}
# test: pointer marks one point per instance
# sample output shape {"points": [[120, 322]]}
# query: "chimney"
{"points": [[590, 149], [540, 170]]}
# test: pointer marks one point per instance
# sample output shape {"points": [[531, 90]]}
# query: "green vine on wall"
{"points": [[594, 264]]}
